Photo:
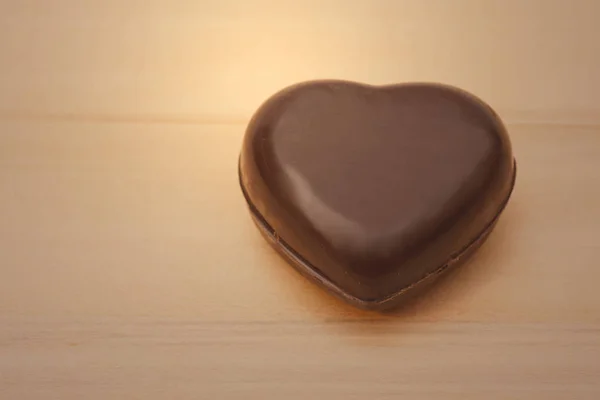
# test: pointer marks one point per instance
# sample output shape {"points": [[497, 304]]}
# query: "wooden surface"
{"points": [[129, 266]]}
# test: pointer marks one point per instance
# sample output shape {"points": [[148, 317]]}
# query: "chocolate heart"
{"points": [[372, 191]]}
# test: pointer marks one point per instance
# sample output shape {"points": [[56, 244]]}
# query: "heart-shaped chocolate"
{"points": [[372, 191]]}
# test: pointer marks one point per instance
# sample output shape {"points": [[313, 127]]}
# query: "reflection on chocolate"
{"points": [[373, 190]]}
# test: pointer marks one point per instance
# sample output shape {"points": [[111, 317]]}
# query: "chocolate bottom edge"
{"points": [[385, 303]]}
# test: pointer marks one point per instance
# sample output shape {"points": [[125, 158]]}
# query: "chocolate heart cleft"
{"points": [[373, 191]]}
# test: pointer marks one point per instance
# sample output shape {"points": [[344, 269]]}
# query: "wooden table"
{"points": [[130, 268]]}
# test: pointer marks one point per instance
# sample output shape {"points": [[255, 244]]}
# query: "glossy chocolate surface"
{"points": [[374, 188]]}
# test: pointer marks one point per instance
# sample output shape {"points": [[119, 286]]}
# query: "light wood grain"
{"points": [[129, 266], [188, 360]]}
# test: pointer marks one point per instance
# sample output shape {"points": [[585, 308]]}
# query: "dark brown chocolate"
{"points": [[373, 190]]}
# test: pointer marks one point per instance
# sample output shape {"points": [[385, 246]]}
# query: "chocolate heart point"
{"points": [[372, 191]]}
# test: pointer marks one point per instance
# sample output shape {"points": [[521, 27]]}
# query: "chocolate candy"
{"points": [[373, 191]]}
